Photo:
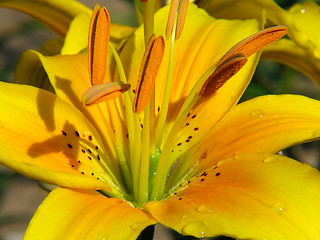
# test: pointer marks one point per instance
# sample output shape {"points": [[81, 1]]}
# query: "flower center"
{"points": [[143, 135]]}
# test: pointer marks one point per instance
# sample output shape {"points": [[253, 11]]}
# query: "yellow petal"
{"points": [[245, 9], [30, 65], [47, 139], [257, 196], [71, 85], [55, 14], [85, 214], [77, 36], [289, 53], [206, 39], [265, 124], [302, 52]]}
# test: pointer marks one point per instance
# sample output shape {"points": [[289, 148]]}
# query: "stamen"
{"points": [[180, 6], [256, 42], [148, 71], [103, 92], [182, 13], [98, 44], [221, 75], [172, 17]]}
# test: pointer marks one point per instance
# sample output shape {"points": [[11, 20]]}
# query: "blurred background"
{"points": [[20, 196]]}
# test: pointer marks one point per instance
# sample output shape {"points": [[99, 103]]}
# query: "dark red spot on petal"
{"points": [[69, 145], [64, 133]]}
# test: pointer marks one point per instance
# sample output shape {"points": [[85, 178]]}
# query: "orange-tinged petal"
{"points": [[55, 14], [85, 214], [47, 139], [265, 124], [257, 196]]}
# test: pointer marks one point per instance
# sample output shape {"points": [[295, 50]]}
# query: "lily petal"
{"points": [[85, 214], [207, 40], [30, 65], [267, 124], [55, 14], [47, 139], [302, 52], [257, 196], [77, 36]]}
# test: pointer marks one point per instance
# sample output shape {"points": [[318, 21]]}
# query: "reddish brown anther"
{"points": [[222, 74]]}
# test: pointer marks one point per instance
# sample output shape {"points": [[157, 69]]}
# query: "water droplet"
{"points": [[316, 133], [184, 217], [278, 208], [302, 10], [135, 226], [256, 113], [237, 155], [197, 229], [270, 159], [204, 209]]}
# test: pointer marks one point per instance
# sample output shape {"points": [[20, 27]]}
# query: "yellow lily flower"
{"points": [[174, 149], [301, 51]]}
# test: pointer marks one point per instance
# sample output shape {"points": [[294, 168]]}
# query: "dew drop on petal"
{"points": [[184, 217], [237, 155], [135, 226], [278, 208], [203, 209], [269, 159], [197, 229], [256, 113]]}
